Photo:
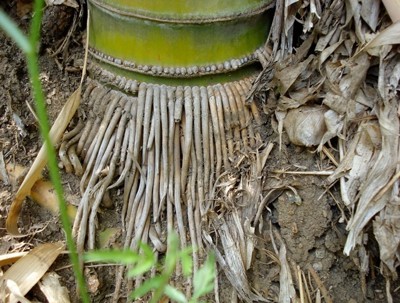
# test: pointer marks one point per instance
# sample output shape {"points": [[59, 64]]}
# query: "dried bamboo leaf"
{"points": [[393, 9], [233, 266], [250, 244], [287, 293], [390, 35], [303, 93], [364, 155], [286, 289], [12, 293], [28, 270], [386, 226], [334, 124], [52, 289], [327, 52], [324, 41], [355, 88], [370, 13], [289, 16], [56, 132], [387, 233], [43, 193], [351, 82], [289, 74], [395, 77], [336, 102], [381, 171], [355, 9], [7, 259], [305, 125], [354, 163]]}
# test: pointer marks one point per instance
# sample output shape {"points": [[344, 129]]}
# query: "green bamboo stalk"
{"points": [[184, 39]]}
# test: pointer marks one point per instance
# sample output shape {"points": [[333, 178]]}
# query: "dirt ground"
{"points": [[310, 227]]}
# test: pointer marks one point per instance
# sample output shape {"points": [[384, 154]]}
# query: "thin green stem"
{"points": [[54, 173], [36, 22], [38, 95], [29, 47]]}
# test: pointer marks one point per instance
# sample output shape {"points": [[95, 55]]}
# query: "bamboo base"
{"points": [[186, 157]]}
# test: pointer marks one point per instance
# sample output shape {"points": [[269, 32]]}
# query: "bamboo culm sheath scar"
{"points": [[169, 119]]}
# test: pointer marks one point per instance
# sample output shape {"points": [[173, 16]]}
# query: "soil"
{"points": [[307, 217]]}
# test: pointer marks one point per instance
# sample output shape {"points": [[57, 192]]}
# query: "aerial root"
{"points": [[173, 149], [205, 151], [69, 139], [215, 130]]}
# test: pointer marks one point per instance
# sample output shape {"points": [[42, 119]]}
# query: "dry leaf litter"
{"points": [[341, 82]]}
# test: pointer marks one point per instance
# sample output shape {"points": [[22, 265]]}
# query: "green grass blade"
{"points": [[52, 160], [14, 32], [186, 260], [29, 47], [147, 261], [174, 294], [126, 257], [150, 284], [203, 280]]}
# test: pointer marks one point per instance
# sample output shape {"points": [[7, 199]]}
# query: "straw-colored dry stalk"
{"points": [[168, 118]]}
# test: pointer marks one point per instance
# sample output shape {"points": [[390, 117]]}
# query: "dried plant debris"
{"points": [[27, 271], [35, 171], [305, 125], [287, 293], [55, 293], [232, 215], [71, 3], [342, 81], [3, 172]]}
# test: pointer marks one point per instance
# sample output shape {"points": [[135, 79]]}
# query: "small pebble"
{"points": [[317, 266], [320, 253]]}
